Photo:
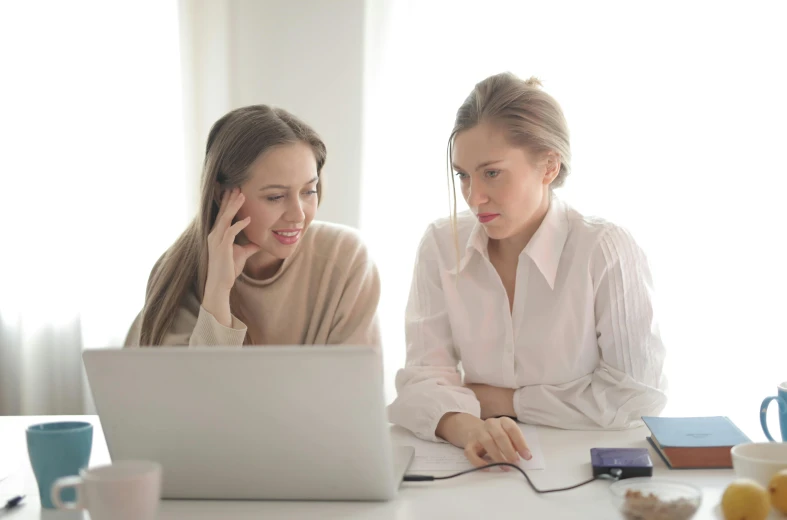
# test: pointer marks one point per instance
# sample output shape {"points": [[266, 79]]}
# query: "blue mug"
{"points": [[58, 449], [782, 400]]}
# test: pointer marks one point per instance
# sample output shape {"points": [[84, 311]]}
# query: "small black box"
{"points": [[632, 462]]}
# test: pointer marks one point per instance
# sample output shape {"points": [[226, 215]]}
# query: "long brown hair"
{"points": [[234, 142], [530, 117]]}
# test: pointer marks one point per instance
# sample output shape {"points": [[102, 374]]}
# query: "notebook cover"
{"points": [[695, 432]]}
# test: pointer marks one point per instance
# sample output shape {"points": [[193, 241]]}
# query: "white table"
{"points": [[475, 496]]}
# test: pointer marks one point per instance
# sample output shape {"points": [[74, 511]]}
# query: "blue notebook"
{"points": [[694, 442]]}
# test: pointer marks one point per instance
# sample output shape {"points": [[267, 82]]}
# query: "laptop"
{"points": [[273, 422]]}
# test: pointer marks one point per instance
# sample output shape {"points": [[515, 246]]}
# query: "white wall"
{"points": [[305, 56]]}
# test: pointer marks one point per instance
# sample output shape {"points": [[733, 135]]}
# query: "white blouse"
{"points": [[581, 345]]}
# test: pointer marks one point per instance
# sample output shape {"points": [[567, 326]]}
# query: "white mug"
{"points": [[124, 490]]}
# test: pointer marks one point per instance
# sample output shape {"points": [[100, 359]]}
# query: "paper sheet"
{"points": [[434, 456]]}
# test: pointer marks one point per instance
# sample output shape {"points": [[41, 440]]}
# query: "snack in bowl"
{"points": [[649, 498]]}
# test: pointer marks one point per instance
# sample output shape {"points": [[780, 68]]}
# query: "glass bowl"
{"points": [[647, 498]]}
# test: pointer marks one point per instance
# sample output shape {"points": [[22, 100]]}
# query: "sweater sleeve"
{"points": [[355, 321], [629, 381], [193, 326]]}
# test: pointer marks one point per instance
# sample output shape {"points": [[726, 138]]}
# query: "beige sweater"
{"points": [[325, 293]]}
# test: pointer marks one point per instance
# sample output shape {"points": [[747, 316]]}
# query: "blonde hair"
{"points": [[530, 117], [234, 142]]}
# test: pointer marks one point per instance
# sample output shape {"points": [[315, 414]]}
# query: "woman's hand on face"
{"points": [[226, 259]]}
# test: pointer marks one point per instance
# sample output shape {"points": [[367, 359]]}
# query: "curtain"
{"points": [[93, 184]]}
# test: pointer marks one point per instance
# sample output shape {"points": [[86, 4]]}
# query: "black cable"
{"points": [[614, 475], [12, 503]]}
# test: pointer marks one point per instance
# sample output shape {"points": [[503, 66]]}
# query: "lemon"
{"points": [[778, 490], [745, 499]]}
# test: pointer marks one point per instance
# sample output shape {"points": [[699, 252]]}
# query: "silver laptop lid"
{"points": [[289, 422]]}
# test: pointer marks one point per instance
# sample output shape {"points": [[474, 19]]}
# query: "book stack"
{"points": [[694, 442]]}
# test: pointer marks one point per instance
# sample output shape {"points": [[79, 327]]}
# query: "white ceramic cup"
{"points": [[124, 490], [759, 460]]}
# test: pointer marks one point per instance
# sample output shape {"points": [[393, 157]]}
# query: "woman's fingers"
{"points": [[474, 452], [233, 204], [225, 196], [236, 228], [517, 437], [501, 438], [491, 448]]}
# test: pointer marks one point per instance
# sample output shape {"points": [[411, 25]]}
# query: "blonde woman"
{"points": [[549, 312], [254, 267]]}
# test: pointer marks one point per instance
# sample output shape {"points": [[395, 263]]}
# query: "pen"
{"points": [[13, 502]]}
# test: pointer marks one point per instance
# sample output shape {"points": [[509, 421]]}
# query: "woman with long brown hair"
{"points": [[253, 267]]}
